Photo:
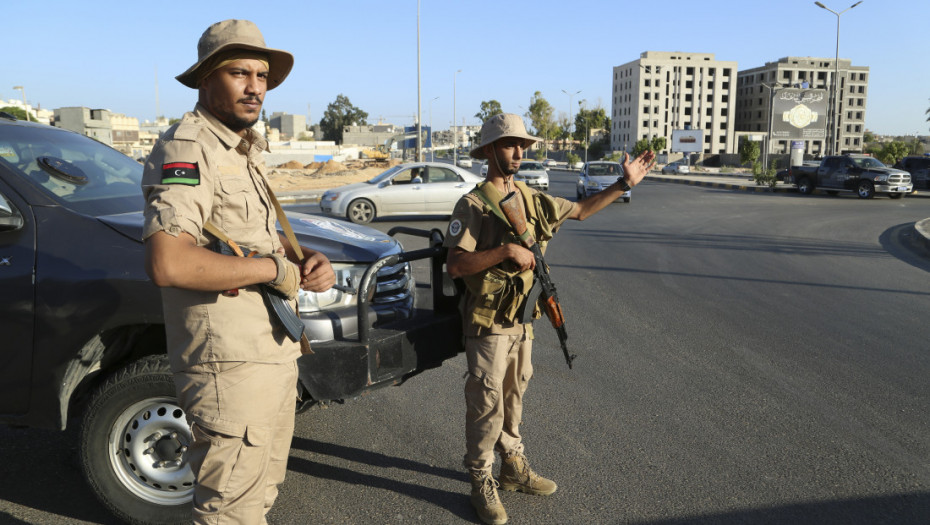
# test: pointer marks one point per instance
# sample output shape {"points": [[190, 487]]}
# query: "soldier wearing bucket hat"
{"points": [[234, 370], [497, 272]]}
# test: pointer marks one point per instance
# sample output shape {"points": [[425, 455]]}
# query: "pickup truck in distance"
{"points": [[862, 174], [83, 327]]}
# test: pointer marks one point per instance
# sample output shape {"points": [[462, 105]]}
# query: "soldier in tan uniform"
{"points": [[497, 272], [235, 370]]}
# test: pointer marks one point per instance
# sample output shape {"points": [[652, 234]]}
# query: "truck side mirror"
{"points": [[10, 218]]}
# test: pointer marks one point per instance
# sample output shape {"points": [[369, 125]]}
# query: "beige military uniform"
{"points": [[235, 371], [499, 356]]}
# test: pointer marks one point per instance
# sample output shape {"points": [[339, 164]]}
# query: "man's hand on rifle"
{"points": [[522, 258], [316, 272]]}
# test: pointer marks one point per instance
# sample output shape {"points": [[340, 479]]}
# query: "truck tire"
{"points": [[361, 211], [805, 187], [895, 195], [132, 443], [865, 190]]}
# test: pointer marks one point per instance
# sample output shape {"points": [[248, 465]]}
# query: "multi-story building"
{"points": [[95, 123], [664, 91], [754, 99], [290, 126]]}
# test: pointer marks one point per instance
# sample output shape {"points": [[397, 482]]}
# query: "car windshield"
{"points": [[76, 171], [598, 170], [531, 166], [385, 175], [868, 162]]}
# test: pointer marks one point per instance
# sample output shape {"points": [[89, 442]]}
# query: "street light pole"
{"points": [[419, 119], [834, 128], [431, 147], [25, 108], [570, 120], [455, 157]]}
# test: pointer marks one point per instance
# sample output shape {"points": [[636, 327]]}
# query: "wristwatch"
{"points": [[624, 185]]}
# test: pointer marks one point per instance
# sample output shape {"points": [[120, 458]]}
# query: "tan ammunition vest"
{"points": [[499, 290]]}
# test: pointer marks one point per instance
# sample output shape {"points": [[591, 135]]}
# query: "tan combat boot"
{"points": [[516, 474], [485, 499]]}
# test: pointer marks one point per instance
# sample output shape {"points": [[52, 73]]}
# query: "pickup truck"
{"points": [[83, 328], [862, 174]]}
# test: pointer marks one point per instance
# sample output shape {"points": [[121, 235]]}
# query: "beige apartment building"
{"points": [[665, 91], [754, 99]]}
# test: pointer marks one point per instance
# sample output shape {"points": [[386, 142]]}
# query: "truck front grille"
{"points": [[899, 179], [393, 284]]}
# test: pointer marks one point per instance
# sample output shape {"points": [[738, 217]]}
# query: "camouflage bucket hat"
{"points": [[500, 126], [237, 35]]}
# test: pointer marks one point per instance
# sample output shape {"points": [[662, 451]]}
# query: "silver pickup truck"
{"points": [[862, 174]]}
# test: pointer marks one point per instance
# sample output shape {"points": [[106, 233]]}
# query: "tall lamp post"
{"points": [[419, 119], [834, 127], [25, 109], [768, 135], [455, 138], [571, 122], [431, 148]]}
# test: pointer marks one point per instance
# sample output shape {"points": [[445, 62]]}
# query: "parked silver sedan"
{"points": [[596, 176], [418, 188]]}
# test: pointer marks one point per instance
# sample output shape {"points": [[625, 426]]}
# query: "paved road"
{"points": [[743, 358]]}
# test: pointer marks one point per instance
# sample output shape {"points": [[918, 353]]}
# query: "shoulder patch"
{"points": [[180, 173], [455, 228]]}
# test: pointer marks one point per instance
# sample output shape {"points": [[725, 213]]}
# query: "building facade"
{"points": [[754, 100], [94, 123], [665, 91], [290, 126]]}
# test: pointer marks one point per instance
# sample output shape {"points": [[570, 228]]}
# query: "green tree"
{"points": [[19, 113], [868, 137], [748, 151], [658, 143], [641, 146], [916, 147], [338, 114], [541, 115], [892, 152], [588, 120], [489, 108]]}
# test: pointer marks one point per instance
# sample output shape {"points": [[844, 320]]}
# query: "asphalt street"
{"points": [[744, 357]]}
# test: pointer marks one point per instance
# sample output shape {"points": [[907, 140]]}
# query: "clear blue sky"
{"points": [[105, 54]]}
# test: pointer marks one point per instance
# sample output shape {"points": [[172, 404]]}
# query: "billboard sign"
{"points": [[687, 140], [799, 114]]}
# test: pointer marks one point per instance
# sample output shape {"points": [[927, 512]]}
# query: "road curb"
{"points": [[922, 228], [720, 185]]}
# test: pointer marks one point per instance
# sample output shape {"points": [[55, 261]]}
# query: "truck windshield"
{"points": [[76, 171], [868, 162]]}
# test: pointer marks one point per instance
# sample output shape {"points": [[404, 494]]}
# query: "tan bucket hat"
{"points": [[500, 126], [237, 34]]}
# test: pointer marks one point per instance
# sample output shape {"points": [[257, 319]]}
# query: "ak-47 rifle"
{"points": [[513, 210]]}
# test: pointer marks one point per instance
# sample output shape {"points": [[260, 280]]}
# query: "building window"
{"points": [[689, 71], [726, 72], [688, 98]]}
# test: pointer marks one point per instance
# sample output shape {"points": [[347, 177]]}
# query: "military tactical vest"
{"points": [[497, 289]]}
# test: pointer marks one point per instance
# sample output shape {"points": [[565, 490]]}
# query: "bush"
{"points": [[572, 159], [763, 177]]}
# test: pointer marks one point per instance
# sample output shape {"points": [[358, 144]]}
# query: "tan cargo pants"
{"points": [[242, 419], [499, 368]]}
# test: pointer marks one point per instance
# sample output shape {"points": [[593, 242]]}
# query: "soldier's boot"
{"points": [[516, 474], [485, 500]]}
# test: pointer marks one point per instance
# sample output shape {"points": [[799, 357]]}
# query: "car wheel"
{"points": [[804, 186], [627, 199], [865, 190], [361, 211], [895, 195], [132, 444]]}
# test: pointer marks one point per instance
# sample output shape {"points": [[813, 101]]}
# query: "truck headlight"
{"points": [[350, 274], [881, 178]]}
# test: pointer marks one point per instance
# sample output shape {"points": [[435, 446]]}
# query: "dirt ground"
{"points": [[291, 176]]}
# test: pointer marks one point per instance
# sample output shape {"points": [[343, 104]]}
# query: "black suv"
{"points": [[919, 168], [83, 325]]}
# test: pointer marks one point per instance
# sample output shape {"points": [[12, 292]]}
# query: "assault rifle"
{"points": [[513, 210]]}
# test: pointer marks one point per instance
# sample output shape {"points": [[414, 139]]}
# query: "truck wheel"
{"points": [[627, 199], [132, 444], [361, 211], [804, 186], [865, 190], [895, 195]]}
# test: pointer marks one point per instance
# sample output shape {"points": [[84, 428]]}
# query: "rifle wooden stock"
{"points": [[512, 209]]}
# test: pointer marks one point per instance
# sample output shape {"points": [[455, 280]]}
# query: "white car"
{"points": [[484, 169], [596, 176], [465, 162], [533, 174], [548, 163], [679, 167], [417, 188]]}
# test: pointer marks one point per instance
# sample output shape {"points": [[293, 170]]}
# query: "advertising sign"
{"points": [[687, 140], [799, 113]]}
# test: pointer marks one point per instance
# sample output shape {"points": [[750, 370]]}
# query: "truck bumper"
{"points": [[899, 188]]}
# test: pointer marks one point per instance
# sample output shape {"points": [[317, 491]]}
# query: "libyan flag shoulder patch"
{"points": [[180, 173]]}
